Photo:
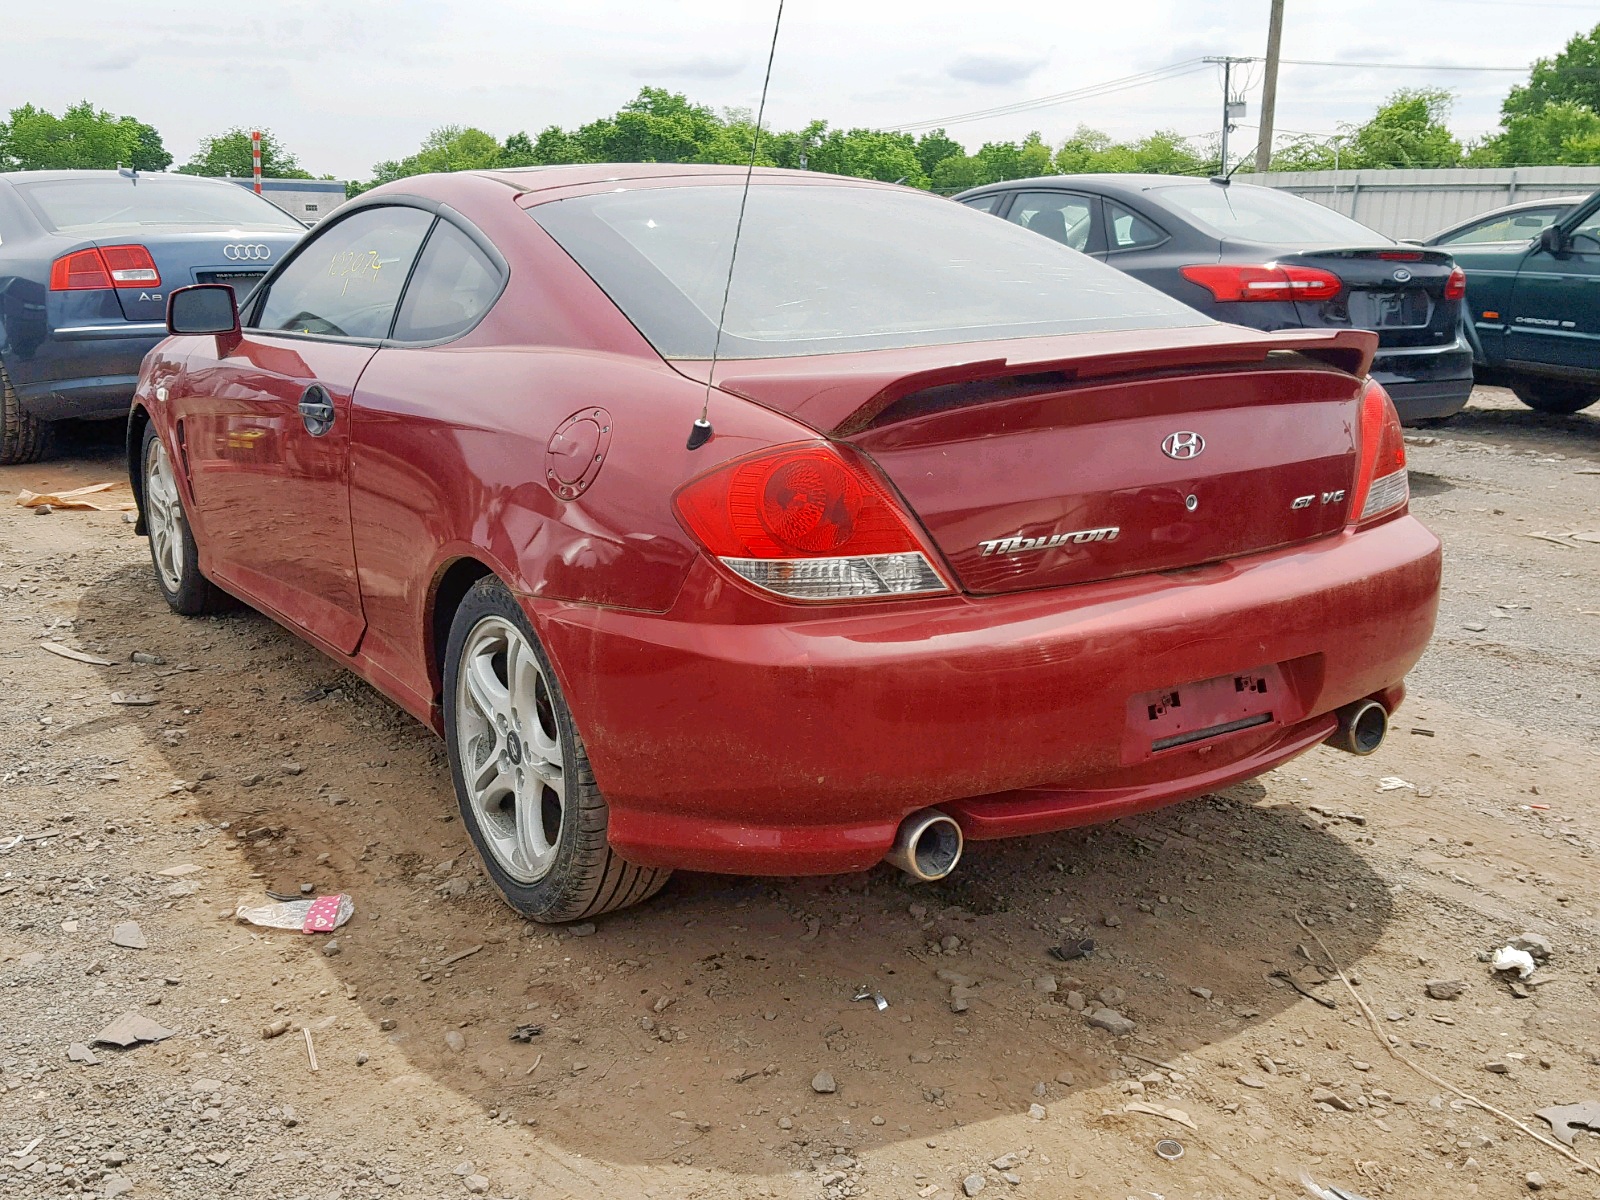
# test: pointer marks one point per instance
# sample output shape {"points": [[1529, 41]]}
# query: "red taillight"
{"points": [[811, 522], [1267, 281], [1401, 255], [79, 270], [1456, 286], [1382, 485], [104, 267]]}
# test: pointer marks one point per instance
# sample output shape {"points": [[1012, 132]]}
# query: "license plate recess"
{"points": [[1170, 719]]}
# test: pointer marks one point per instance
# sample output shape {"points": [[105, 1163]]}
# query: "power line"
{"points": [[1386, 66], [1144, 78]]}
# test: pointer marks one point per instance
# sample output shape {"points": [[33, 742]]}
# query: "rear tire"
{"points": [[1555, 396], [523, 780], [173, 552], [24, 438]]}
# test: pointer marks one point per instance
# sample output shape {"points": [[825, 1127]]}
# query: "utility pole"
{"points": [[1231, 108], [1269, 87]]}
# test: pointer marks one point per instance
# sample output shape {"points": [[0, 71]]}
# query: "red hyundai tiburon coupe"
{"points": [[986, 539]]}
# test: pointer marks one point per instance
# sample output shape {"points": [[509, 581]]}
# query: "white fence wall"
{"points": [[1417, 204]]}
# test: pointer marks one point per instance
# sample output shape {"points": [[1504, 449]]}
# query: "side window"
{"points": [[453, 285], [346, 280], [1130, 232], [1586, 237], [983, 203], [1512, 227], [1060, 216]]}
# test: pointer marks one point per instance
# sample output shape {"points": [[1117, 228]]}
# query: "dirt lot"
{"points": [[680, 1042]]}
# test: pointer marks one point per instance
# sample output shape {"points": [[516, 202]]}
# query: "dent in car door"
{"points": [[1555, 303], [268, 432]]}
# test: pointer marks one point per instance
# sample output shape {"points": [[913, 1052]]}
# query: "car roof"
{"points": [[1107, 182], [529, 179], [157, 177]]}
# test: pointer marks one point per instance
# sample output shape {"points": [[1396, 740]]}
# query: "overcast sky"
{"points": [[348, 83]]}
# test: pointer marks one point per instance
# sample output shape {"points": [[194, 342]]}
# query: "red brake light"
{"points": [[1382, 485], [104, 267], [1456, 286], [812, 522], [1401, 255], [78, 271], [1267, 281]]}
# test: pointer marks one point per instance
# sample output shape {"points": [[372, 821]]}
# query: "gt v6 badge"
{"points": [[1017, 544], [1327, 498]]}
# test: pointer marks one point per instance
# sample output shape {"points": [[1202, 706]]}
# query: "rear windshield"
{"points": [[1258, 214], [824, 269], [69, 205]]}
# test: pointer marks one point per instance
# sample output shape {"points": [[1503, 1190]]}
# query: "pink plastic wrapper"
{"points": [[322, 915]]}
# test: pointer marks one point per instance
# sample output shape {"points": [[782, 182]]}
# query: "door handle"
{"points": [[316, 410]]}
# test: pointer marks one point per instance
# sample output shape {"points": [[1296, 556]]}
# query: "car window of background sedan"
{"points": [[346, 280], [68, 205], [824, 269], [1061, 217], [1258, 214], [1511, 227], [1131, 232], [453, 285]]}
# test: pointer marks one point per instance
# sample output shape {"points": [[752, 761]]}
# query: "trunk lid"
{"points": [[185, 255], [1395, 291], [1034, 470]]}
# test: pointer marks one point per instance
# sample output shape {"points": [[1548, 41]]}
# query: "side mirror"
{"points": [[203, 308], [1553, 240]]}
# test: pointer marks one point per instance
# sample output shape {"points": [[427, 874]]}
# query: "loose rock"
{"points": [[1112, 1022], [1445, 989], [822, 1083], [129, 936], [972, 1184]]}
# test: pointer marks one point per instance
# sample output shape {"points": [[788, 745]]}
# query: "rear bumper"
{"points": [[1428, 382], [86, 371], [796, 744]]}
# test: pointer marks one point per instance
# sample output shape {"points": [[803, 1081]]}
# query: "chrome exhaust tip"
{"points": [[927, 845], [1362, 727]]}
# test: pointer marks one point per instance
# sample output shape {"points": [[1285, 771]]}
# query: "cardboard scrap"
{"points": [[75, 655], [131, 1028], [1566, 1119], [1156, 1110], [73, 499]]}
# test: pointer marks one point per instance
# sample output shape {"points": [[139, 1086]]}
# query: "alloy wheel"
{"points": [[164, 516], [511, 754]]}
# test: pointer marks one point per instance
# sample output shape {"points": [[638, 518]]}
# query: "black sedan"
{"points": [[86, 261], [1264, 258]]}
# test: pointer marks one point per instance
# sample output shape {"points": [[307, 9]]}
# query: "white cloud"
{"points": [[346, 85]]}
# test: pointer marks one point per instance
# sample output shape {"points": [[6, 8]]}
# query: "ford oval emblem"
{"points": [[1402, 275]]}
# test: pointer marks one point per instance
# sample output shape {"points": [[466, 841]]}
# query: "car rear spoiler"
{"points": [[841, 395]]}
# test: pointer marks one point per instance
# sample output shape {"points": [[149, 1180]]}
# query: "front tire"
{"points": [[527, 793], [24, 438], [1556, 396], [173, 552]]}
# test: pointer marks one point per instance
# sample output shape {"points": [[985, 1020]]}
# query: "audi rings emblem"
{"points": [[1182, 444], [246, 252]]}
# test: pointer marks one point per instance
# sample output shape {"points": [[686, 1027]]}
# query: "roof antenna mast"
{"points": [[700, 431]]}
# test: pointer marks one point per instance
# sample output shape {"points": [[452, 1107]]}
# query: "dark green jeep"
{"points": [[1533, 304]]}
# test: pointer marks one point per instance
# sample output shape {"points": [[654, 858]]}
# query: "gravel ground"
{"points": [[707, 1044]]}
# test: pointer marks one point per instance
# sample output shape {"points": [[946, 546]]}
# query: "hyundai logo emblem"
{"points": [[1182, 444], [249, 252], [1402, 275]]}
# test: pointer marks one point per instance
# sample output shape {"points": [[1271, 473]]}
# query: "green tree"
{"points": [[229, 153], [870, 154], [934, 147], [448, 148], [1560, 133], [1408, 130], [82, 138], [518, 152], [1573, 76]]}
